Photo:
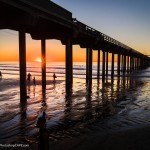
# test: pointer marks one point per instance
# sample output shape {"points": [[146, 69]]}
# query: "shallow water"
{"points": [[116, 105]]}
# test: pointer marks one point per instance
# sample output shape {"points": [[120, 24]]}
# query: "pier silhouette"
{"points": [[46, 20]]}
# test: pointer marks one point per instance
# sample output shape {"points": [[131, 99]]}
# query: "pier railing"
{"points": [[102, 37]]}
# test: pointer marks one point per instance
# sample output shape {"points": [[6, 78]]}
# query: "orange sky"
{"points": [[55, 51]]}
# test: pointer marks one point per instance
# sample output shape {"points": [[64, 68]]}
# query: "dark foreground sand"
{"points": [[130, 139]]}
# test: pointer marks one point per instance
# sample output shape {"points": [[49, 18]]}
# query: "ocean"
{"points": [[116, 105]]}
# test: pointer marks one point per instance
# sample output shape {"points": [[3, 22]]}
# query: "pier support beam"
{"points": [[98, 66], [106, 64], [103, 68], [43, 52], [22, 65], [142, 63], [89, 68], [69, 68], [112, 66], [128, 69], [135, 63], [138, 63], [131, 63], [118, 65], [124, 64]]}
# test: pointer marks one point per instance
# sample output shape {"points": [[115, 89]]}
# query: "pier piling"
{"points": [[112, 66], [128, 64], [107, 65], [69, 68], [118, 64], [43, 52], [103, 68], [98, 66], [22, 65], [124, 64], [87, 66], [89, 80]]}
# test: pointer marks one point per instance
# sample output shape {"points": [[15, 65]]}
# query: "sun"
{"points": [[38, 59]]}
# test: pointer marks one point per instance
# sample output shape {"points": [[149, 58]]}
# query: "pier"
{"points": [[43, 20]]}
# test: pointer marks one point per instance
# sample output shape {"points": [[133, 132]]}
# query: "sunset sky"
{"points": [[125, 20]]}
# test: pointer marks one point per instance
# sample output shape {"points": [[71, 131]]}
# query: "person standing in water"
{"points": [[54, 76], [34, 81], [29, 77]]}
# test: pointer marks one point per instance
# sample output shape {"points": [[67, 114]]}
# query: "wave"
{"points": [[79, 71]]}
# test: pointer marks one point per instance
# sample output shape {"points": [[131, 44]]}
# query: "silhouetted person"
{"points": [[54, 76], [0, 74], [29, 77], [43, 133], [34, 82]]}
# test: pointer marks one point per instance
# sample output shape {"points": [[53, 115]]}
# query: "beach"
{"points": [[131, 139], [114, 115]]}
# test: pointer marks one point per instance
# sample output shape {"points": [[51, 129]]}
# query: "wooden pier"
{"points": [[45, 20]]}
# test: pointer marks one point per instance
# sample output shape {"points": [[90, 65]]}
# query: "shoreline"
{"points": [[6, 84]]}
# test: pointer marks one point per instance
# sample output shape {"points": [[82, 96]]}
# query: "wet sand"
{"points": [[131, 139], [90, 136], [16, 119], [108, 118]]}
